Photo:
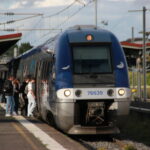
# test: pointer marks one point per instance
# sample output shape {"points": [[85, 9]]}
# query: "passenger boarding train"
{"points": [[81, 80]]}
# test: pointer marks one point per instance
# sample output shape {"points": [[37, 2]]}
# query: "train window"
{"points": [[45, 69], [92, 59], [32, 66], [25, 70]]}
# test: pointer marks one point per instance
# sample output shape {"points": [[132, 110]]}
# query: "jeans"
{"points": [[0, 98], [9, 104], [31, 104]]}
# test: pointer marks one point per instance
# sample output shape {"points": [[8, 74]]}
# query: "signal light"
{"points": [[89, 37]]}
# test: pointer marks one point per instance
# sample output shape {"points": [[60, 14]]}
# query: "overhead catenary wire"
{"points": [[59, 12], [27, 34], [43, 16], [55, 14], [12, 14], [12, 21], [66, 20], [30, 29]]}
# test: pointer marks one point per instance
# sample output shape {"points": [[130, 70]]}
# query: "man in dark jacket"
{"points": [[1, 91], [8, 89]]}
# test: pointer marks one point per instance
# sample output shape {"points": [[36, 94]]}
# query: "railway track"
{"points": [[135, 135], [107, 143]]}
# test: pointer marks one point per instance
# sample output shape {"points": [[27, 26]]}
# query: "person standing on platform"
{"points": [[16, 95], [31, 96], [1, 90], [8, 89], [23, 96]]}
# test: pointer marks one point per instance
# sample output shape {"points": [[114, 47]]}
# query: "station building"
{"points": [[6, 42], [134, 55], [134, 49]]}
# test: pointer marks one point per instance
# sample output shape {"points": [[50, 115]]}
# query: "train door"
{"points": [[38, 83], [42, 69], [52, 94]]}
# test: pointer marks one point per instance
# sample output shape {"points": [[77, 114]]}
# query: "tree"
{"points": [[24, 47], [21, 49]]}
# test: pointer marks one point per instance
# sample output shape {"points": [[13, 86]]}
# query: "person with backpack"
{"points": [[1, 91], [8, 90]]}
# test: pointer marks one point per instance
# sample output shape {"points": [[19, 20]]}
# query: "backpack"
{"points": [[1, 85], [8, 87], [22, 87]]}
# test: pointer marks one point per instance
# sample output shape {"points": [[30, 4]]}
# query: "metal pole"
{"points": [[144, 53], [132, 77], [138, 61], [96, 13], [132, 34]]}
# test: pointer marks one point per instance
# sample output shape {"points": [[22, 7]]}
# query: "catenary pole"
{"points": [[96, 13], [144, 53]]}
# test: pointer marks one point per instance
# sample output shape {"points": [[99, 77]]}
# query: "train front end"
{"points": [[91, 82]]}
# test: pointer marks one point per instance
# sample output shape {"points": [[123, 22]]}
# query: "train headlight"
{"points": [[67, 93], [121, 92]]}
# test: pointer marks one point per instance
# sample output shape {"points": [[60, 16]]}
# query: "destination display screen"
{"points": [[92, 59]]}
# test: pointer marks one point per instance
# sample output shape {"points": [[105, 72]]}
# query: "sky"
{"points": [[113, 15]]}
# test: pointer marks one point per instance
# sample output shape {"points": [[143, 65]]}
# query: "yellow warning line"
{"points": [[27, 138]]}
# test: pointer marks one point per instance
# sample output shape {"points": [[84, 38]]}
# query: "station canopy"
{"points": [[7, 41], [134, 50]]}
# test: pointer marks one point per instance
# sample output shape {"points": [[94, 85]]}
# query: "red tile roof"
{"points": [[10, 36], [133, 45]]}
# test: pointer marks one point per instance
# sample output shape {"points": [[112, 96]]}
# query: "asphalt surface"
{"points": [[14, 136], [21, 133]]}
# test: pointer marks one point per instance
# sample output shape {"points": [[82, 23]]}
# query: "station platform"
{"points": [[20, 133]]}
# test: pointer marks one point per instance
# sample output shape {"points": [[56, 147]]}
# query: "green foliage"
{"points": [[133, 77], [148, 78], [21, 49], [24, 47], [129, 147]]}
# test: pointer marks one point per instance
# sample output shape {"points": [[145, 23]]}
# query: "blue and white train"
{"points": [[81, 80]]}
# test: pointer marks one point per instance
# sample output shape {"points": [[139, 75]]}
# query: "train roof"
{"points": [[74, 36], [78, 33]]}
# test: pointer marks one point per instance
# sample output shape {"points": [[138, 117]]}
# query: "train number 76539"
{"points": [[95, 92]]}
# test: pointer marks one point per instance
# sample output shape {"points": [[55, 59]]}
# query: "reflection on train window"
{"points": [[32, 66], [45, 69], [92, 59], [25, 70]]}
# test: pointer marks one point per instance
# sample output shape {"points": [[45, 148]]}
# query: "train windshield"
{"points": [[92, 59]]}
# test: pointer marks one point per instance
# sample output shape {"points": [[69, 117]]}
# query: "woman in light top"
{"points": [[31, 97]]}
